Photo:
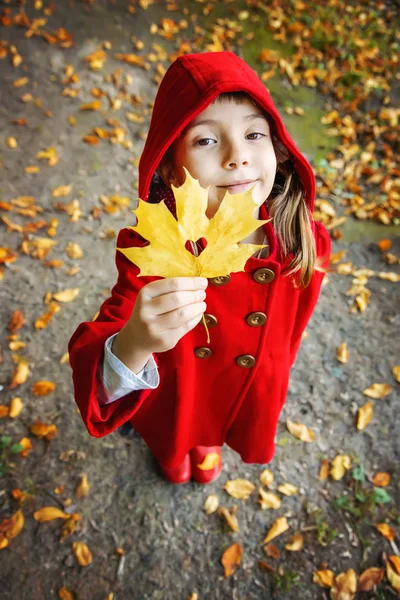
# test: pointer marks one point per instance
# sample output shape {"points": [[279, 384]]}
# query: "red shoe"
{"points": [[179, 474], [197, 456]]}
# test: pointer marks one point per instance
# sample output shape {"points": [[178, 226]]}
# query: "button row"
{"points": [[245, 360], [260, 276], [255, 319]]}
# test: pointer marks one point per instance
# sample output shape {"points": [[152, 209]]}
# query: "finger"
{"points": [[173, 301], [174, 284], [180, 317]]}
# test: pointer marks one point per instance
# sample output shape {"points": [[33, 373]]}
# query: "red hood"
{"points": [[191, 83]]}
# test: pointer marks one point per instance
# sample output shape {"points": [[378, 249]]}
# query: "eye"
{"points": [[256, 133], [203, 142]]}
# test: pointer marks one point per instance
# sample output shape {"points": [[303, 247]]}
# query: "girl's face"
{"points": [[227, 147]]}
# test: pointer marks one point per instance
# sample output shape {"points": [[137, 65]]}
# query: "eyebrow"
{"points": [[250, 117]]}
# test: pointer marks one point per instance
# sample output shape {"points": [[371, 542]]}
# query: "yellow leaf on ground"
{"points": [[82, 489], [211, 504], [381, 479], [288, 489], [49, 513], [11, 527], [342, 354], [20, 374], [377, 390], [211, 460], [268, 500], [324, 469], [43, 388], [295, 543], [300, 431], [231, 559], [230, 518], [364, 415], [324, 578], [267, 478], [62, 191], [16, 405], [340, 464], [388, 532], [396, 373], [26, 446], [239, 488], [345, 586], [95, 105], [370, 579], [74, 250], [279, 526], [41, 430], [166, 255], [82, 553], [66, 295]]}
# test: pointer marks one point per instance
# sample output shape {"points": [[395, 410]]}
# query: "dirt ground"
{"points": [[171, 548]]}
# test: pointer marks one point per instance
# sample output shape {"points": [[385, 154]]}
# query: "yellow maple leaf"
{"points": [[166, 255]]}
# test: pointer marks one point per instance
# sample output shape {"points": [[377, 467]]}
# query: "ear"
{"points": [[281, 152], [166, 172]]}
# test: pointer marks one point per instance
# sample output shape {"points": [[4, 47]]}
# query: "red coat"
{"points": [[233, 389]]}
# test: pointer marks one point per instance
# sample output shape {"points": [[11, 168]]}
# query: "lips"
{"points": [[235, 183]]}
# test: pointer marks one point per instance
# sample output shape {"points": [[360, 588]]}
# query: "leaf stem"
{"points": [[208, 333]]}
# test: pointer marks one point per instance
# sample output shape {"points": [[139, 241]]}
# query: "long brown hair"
{"points": [[287, 206]]}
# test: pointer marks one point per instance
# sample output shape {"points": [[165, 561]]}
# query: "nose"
{"points": [[235, 156]]}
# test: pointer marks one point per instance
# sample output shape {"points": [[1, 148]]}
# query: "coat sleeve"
{"points": [[310, 294], [86, 348]]}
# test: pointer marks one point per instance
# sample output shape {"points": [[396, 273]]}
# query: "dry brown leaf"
{"points": [[381, 479], [42, 430], [231, 559], [295, 543], [49, 513], [364, 415], [61, 191], [10, 528], [43, 388], [95, 105], [342, 353], [278, 527], [345, 586], [82, 553], [82, 489], [388, 532], [324, 469], [74, 250], [211, 460], [288, 489], [4, 411], [272, 551], [239, 488], [211, 504], [378, 390], [43, 321], [370, 579], [268, 500], [66, 295], [69, 526], [16, 405], [267, 478], [324, 578], [20, 375], [230, 518], [300, 431], [65, 594], [393, 572], [26, 446], [340, 464], [266, 567]]}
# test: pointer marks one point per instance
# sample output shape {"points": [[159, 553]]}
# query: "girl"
{"points": [[144, 360]]}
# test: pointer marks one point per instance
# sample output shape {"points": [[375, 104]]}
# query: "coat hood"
{"points": [[190, 84]]}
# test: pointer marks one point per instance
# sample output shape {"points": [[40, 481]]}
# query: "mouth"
{"points": [[239, 185]]}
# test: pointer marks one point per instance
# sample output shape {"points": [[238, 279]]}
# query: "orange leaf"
{"points": [[272, 551], [279, 526], [381, 479], [16, 406], [364, 415], [26, 446], [4, 411], [377, 390], [370, 579], [324, 578], [20, 374], [82, 489], [65, 594], [324, 469], [231, 558], [387, 531], [82, 553], [345, 586], [43, 388], [384, 245], [295, 543], [49, 513], [11, 527]]}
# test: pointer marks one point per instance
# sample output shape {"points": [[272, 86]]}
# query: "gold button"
{"points": [[203, 352], [221, 280], [210, 320], [263, 275], [246, 361], [256, 319]]}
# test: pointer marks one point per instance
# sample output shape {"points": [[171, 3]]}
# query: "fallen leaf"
{"points": [[388, 532], [267, 478], [300, 431], [43, 388], [344, 586], [42, 430], [20, 375], [272, 551], [82, 553], [381, 479], [288, 489], [340, 464], [231, 559], [370, 579], [396, 373], [66, 295], [393, 572], [4, 411], [16, 405], [62, 191], [279, 526], [10, 528], [230, 518], [342, 354], [74, 250], [26, 447], [268, 500], [211, 504], [211, 460], [95, 105], [295, 543], [364, 415], [378, 390], [324, 469], [49, 513], [65, 594], [12, 143], [324, 578], [239, 488], [82, 489]]}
